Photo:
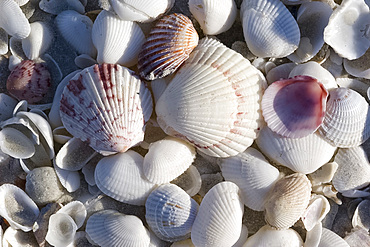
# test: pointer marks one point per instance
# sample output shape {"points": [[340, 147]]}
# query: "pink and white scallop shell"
{"points": [[107, 106]]}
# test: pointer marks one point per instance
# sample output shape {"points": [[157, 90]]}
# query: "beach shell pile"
{"points": [[199, 123]]}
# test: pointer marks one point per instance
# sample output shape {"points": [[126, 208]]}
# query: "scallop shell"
{"points": [[253, 174], [111, 228], [121, 177], [76, 210], [168, 45], [170, 212], [346, 119], [219, 219], [269, 28], [213, 102], [330, 238], [287, 201], [116, 40], [61, 230], [13, 20], [39, 40], [303, 155], [294, 107], [214, 17], [15, 144], [107, 106]]}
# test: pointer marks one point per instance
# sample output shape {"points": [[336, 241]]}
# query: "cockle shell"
{"points": [[294, 107], [213, 102], [29, 81], [107, 106], [170, 212], [346, 121], [15, 144], [168, 45], [39, 40], [269, 28], [219, 219], [13, 20]]}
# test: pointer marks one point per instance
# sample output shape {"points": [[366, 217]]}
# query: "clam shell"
{"points": [[111, 228], [55, 7], [76, 210], [107, 106], [269, 28], [13, 20], [253, 174], [69, 179], [14, 143], [213, 102], [116, 40], [346, 119], [287, 201], [315, 212], [39, 40], [359, 67], [330, 238], [13, 237], [170, 212], [294, 107], [61, 230], [168, 45], [314, 235], [219, 219]]}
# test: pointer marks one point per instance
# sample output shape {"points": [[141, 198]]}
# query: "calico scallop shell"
{"points": [[107, 106], [346, 121], [294, 107], [38, 41], [213, 102], [287, 201], [168, 45], [13, 20]]}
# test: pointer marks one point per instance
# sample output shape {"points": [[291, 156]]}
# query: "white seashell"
{"points": [[242, 238], [361, 216], [324, 174], [354, 84], [219, 219], [346, 119], [315, 212], [14, 61], [313, 236], [17, 207], [83, 61], [21, 106], [140, 10], [269, 28], [18, 238], [15, 47], [303, 155], [55, 7], [158, 87], [39, 40], [61, 135], [220, 81], [116, 40], [111, 228], [279, 72], [190, 181], [76, 30], [89, 169], [7, 105], [347, 32], [62, 230], [214, 17], [357, 236], [253, 174], [330, 238], [76, 210], [267, 236], [21, 2], [359, 67], [4, 43], [13, 20], [170, 212], [16, 144], [167, 159], [121, 177], [69, 179]]}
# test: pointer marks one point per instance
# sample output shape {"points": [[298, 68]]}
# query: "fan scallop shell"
{"points": [[107, 106], [213, 102], [168, 45]]}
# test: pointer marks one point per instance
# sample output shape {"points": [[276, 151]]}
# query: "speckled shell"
{"points": [[29, 81], [13, 20], [168, 45], [107, 106], [170, 212]]}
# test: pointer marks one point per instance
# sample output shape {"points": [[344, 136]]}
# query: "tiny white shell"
{"points": [[16, 144], [190, 181], [13, 237], [39, 40], [61, 135], [76, 210], [61, 230], [324, 174], [13, 20]]}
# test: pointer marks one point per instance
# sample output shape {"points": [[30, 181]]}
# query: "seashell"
{"points": [[167, 159], [13, 20], [170, 212], [267, 236], [39, 40], [213, 77], [62, 230], [190, 181], [287, 201], [324, 174], [76, 30], [317, 209], [55, 7], [7, 105], [330, 238], [345, 122], [70, 180], [13, 237], [361, 216], [303, 155], [219, 219], [4, 43], [83, 61], [358, 67], [111, 228], [269, 28], [121, 177], [279, 72], [158, 87], [15, 144], [21, 2], [140, 10], [107, 106], [214, 17], [23, 125], [242, 238], [313, 236], [76, 210], [29, 81], [61, 135], [116, 40], [253, 174], [294, 107], [354, 84], [357, 237], [89, 169], [168, 45]]}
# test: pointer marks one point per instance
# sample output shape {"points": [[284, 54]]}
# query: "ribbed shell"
{"points": [[13, 20], [330, 238], [219, 219], [170, 212], [107, 106], [347, 117], [168, 45], [287, 201], [213, 102]]}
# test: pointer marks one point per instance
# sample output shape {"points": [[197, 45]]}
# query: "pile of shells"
{"points": [[184, 123]]}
